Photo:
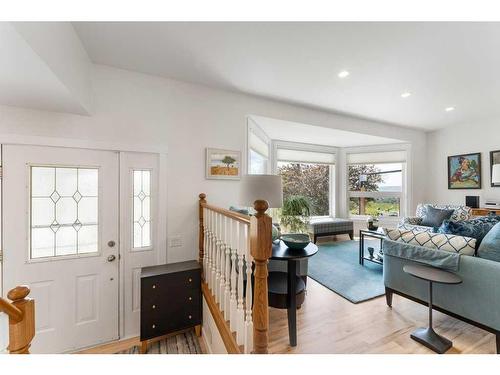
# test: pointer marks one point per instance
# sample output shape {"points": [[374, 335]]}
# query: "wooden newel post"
{"points": [[201, 239], [261, 250], [22, 322]]}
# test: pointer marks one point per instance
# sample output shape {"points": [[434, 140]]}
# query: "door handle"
{"points": [[111, 258]]}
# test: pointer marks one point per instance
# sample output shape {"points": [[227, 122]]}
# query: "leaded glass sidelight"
{"points": [[142, 209], [64, 212]]}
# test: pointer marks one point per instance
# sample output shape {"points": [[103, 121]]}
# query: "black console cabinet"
{"points": [[170, 299]]}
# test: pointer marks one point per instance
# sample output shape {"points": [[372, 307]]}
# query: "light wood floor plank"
{"points": [[328, 323]]}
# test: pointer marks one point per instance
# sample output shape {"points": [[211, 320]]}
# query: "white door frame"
{"points": [[161, 150], [159, 241]]}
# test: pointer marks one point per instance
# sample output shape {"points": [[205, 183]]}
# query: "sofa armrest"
{"points": [[477, 298]]}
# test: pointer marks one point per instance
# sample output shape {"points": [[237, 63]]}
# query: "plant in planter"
{"points": [[295, 214]]}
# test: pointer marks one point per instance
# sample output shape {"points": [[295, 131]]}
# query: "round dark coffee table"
{"points": [[427, 336], [280, 284]]}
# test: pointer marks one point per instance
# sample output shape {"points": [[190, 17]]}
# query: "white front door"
{"points": [[139, 202], [60, 225]]}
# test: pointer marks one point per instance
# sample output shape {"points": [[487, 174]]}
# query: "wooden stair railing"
{"points": [[21, 312], [231, 246]]}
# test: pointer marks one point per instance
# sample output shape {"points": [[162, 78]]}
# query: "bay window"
{"points": [[310, 174], [376, 183]]}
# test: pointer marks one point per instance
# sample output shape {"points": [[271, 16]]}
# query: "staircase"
{"points": [[17, 321]]}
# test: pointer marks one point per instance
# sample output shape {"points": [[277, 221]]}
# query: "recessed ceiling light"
{"points": [[343, 74], [449, 109], [405, 94]]}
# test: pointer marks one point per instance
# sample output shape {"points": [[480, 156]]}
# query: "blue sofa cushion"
{"points": [[490, 245], [476, 228], [434, 217]]}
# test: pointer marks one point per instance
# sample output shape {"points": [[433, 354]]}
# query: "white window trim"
{"points": [[276, 144], [253, 127], [406, 190]]}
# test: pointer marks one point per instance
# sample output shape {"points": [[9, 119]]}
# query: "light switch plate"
{"points": [[176, 241]]}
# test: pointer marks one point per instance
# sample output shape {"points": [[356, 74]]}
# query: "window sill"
{"points": [[381, 219]]}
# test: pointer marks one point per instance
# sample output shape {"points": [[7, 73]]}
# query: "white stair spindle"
{"points": [[208, 275], [207, 249], [217, 258], [248, 345], [227, 271], [214, 251], [234, 260], [205, 242], [222, 264], [240, 333]]}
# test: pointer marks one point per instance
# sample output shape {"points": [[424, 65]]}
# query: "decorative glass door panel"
{"points": [[64, 211]]}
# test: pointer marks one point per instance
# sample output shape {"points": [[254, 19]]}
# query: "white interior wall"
{"points": [[60, 49], [152, 113], [482, 136]]}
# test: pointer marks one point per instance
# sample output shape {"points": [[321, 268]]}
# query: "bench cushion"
{"points": [[330, 225]]}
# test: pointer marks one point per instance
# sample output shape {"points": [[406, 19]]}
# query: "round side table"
{"points": [[427, 336], [282, 284]]}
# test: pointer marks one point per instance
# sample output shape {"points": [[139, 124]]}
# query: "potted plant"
{"points": [[295, 214]]}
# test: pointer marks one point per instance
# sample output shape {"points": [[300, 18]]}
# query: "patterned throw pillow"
{"points": [[476, 228], [461, 212], [447, 242]]}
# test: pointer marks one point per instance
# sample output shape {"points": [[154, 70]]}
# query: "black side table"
{"points": [[427, 336], [363, 233], [281, 285]]}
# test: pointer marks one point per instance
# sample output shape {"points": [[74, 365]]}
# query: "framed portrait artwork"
{"points": [[464, 171], [494, 159], [223, 164]]}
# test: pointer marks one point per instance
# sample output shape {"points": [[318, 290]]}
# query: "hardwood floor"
{"points": [[120, 345], [328, 323]]}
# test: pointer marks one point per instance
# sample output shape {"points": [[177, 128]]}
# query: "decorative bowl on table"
{"points": [[296, 241]]}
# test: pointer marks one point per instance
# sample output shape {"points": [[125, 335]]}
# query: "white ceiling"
{"points": [[441, 64], [26, 80], [302, 133]]}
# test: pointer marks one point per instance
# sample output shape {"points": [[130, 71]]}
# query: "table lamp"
{"points": [[495, 174], [261, 189]]}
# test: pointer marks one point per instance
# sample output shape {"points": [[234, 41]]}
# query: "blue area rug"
{"points": [[336, 266]]}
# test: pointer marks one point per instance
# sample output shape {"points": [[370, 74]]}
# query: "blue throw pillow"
{"points": [[490, 245], [434, 217], [239, 210], [476, 228]]}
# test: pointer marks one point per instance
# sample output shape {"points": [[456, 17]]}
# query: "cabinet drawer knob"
{"points": [[190, 298], [153, 326], [154, 286], [154, 306], [190, 279], [190, 316]]}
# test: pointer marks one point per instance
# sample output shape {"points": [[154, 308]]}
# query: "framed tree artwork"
{"points": [[223, 164], [494, 159], [464, 171]]}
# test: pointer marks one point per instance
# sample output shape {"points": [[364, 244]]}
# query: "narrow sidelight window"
{"points": [[142, 209]]}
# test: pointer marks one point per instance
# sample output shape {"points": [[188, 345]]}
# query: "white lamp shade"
{"points": [[495, 174], [261, 187]]}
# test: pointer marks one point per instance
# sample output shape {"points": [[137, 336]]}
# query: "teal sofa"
{"points": [[475, 301]]}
